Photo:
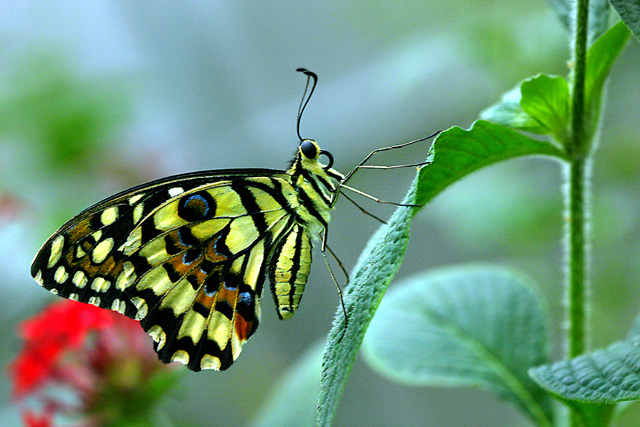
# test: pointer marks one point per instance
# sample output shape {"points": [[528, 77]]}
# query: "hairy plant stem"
{"points": [[577, 207], [576, 198]]}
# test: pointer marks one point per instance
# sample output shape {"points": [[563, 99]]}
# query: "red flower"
{"points": [[30, 419], [98, 354], [61, 327]]}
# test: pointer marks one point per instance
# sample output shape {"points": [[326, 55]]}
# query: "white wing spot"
{"points": [[99, 284], [38, 278], [97, 235], [127, 276], [158, 335], [141, 305], [118, 305], [80, 279], [101, 251], [210, 362], [61, 275], [74, 297], [173, 192], [94, 301], [180, 356], [134, 240], [80, 253], [56, 251], [137, 212], [109, 215], [134, 199]]}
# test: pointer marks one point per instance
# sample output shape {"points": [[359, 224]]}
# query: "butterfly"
{"points": [[188, 255]]}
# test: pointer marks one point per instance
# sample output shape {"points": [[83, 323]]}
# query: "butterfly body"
{"points": [[188, 255]]}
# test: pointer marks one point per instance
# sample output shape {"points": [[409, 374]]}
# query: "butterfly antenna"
{"points": [[305, 99]]}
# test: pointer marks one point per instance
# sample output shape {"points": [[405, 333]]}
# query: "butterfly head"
{"points": [[309, 151], [309, 156]]}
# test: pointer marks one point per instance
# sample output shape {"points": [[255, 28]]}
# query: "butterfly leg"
{"points": [[363, 210], [379, 150], [412, 165], [335, 257], [333, 277], [375, 199], [335, 282]]}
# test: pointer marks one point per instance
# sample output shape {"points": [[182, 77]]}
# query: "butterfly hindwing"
{"points": [[187, 257]]}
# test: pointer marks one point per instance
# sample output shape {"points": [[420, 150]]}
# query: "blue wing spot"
{"points": [[197, 207]]}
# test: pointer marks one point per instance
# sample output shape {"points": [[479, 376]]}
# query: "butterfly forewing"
{"points": [[187, 257]]}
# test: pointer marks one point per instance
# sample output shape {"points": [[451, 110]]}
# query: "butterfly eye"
{"points": [[309, 149]]}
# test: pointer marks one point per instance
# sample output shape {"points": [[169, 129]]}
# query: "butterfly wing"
{"points": [[187, 256]]}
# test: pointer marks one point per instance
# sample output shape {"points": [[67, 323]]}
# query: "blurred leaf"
{"points": [[562, 8], [635, 328], [292, 402], [546, 100], [454, 154], [629, 11], [508, 112], [43, 102], [600, 58], [477, 326], [598, 15], [598, 18]]}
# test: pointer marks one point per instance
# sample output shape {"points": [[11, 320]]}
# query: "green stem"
{"points": [[576, 198], [580, 31], [577, 190]]}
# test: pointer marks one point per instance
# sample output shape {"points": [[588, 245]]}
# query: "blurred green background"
{"points": [[99, 96]]}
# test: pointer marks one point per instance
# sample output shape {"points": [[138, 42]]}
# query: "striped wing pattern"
{"points": [[188, 256]]}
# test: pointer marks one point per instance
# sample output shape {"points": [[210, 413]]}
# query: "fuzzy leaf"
{"points": [[478, 326], [598, 15], [629, 11], [603, 376], [454, 154], [600, 58]]}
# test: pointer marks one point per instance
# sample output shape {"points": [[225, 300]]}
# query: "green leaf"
{"points": [[477, 326], [629, 11], [592, 383], [539, 105], [292, 401], [458, 152], [546, 100], [600, 58], [508, 112], [603, 376], [454, 154]]}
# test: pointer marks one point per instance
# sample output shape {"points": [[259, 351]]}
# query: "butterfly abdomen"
{"points": [[290, 265]]}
